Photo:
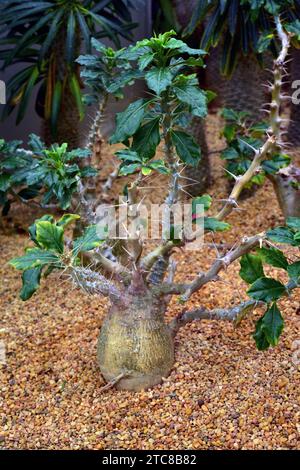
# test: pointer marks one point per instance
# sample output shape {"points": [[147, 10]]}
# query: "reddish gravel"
{"points": [[222, 393]]}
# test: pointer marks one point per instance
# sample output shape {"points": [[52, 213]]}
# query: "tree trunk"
{"points": [[135, 346], [287, 188], [68, 129], [293, 135], [201, 175], [245, 90]]}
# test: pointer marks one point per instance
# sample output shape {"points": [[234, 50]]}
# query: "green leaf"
{"points": [[33, 258], [31, 282], [66, 220], [52, 32], [56, 105], [193, 96], [294, 28], [27, 94], [146, 170], [32, 228], [269, 328], [273, 257], [71, 30], [230, 154], [159, 165], [294, 271], [183, 47], [128, 155], [266, 289], [276, 163], [293, 223], [4, 182], [251, 268], [259, 336], [158, 79], [145, 60], [264, 43], [75, 89], [50, 236], [129, 169], [229, 132], [230, 114], [214, 225], [88, 241], [35, 143], [282, 235], [88, 172], [146, 140], [204, 200], [128, 122], [186, 148]]}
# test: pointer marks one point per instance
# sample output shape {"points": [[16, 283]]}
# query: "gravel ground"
{"points": [[221, 394]]}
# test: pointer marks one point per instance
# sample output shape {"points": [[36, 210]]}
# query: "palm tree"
{"points": [[47, 36]]}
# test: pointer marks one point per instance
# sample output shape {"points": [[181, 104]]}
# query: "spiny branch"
{"points": [[234, 314], [93, 282], [95, 131], [98, 260], [273, 142], [186, 290]]}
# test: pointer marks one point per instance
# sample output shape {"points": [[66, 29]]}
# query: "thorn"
{"points": [[231, 174]]}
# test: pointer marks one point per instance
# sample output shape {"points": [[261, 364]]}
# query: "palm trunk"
{"points": [[200, 176], [245, 90], [68, 129], [135, 346]]}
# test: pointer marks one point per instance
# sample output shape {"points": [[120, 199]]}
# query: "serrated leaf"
{"points": [[187, 149], [204, 200], [294, 271], [4, 182], [33, 258], [66, 220], [158, 79], [88, 241], [32, 228], [31, 282], [183, 47], [193, 96], [251, 268], [214, 225], [273, 257], [230, 154], [50, 236], [269, 328], [282, 235], [266, 289], [145, 60], [293, 223], [276, 163], [146, 140], [129, 169], [128, 122], [230, 115]]}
